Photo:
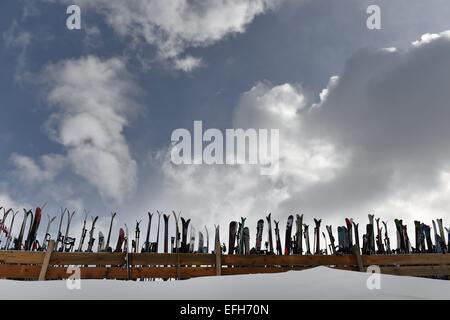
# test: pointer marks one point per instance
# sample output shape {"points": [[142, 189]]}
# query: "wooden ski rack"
{"points": [[54, 265]]}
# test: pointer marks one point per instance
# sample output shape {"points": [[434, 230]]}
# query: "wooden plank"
{"points": [[357, 253], [172, 272], [418, 271], [406, 259], [293, 260], [16, 271], [57, 273], [48, 254], [256, 270], [154, 259], [120, 273], [218, 262], [21, 257], [87, 258]]}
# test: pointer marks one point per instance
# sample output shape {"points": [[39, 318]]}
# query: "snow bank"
{"points": [[316, 283]]}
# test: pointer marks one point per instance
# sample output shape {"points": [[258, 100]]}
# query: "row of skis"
{"points": [[375, 240]]}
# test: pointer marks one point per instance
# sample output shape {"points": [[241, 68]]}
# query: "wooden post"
{"points": [[48, 254], [357, 253], [218, 253]]}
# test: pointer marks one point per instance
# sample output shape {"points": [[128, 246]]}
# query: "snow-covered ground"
{"points": [[316, 283]]}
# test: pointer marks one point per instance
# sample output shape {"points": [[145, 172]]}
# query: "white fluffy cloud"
{"points": [[90, 102], [172, 26], [215, 194], [30, 172], [377, 141]]}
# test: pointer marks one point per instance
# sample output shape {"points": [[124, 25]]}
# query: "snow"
{"points": [[316, 283]]}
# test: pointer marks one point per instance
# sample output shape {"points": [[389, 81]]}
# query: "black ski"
{"points": [[232, 237], [288, 236], [298, 244], [277, 236], [259, 233], [269, 232], [317, 236]]}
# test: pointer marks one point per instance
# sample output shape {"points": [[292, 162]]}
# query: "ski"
{"points": [[298, 244], [91, 235], [387, 242], [191, 245], [277, 237], [176, 239], [349, 225], [371, 235], [166, 232], [217, 238], [317, 236], [83, 233], [422, 238], [184, 230], [107, 246], [418, 236], [101, 242], [448, 236], [406, 238], [2, 225], [200, 243], [427, 232], [332, 240], [306, 236], [259, 234], [356, 232], [326, 244], [9, 239], [32, 234], [232, 237], [269, 232], [342, 239], [68, 242], [401, 248], [241, 236], [156, 246], [59, 236], [379, 238], [19, 239], [246, 240], [147, 244], [288, 238], [207, 240], [120, 240], [437, 239], [442, 235], [137, 235], [127, 251]]}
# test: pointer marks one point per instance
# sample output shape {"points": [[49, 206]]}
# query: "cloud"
{"points": [[16, 38], [7, 202], [389, 108], [375, 140], [30, 172], [90, 101], [216, 194], [176, 25], [187, 63]]}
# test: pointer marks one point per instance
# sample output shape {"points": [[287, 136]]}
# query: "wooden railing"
{"points": [[54, 265]]}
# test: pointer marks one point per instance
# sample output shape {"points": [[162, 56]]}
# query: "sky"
{"points": [[87, 115]]}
